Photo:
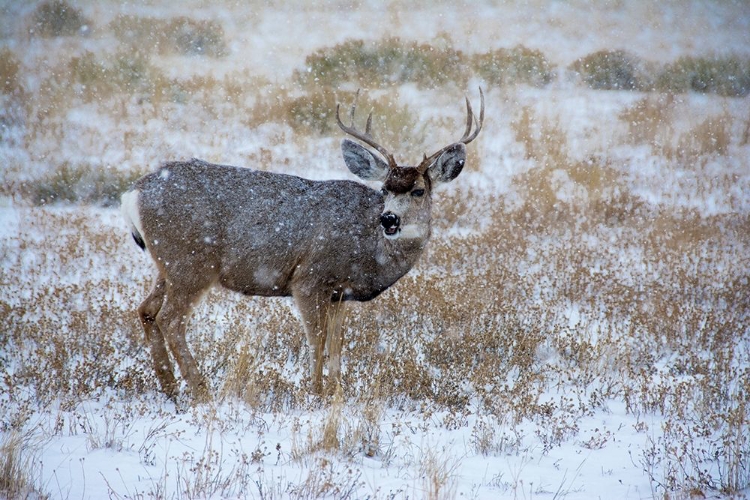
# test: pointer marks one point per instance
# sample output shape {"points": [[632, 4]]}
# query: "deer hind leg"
{"points": [[172, 320], [321, 319], [147, 312]]}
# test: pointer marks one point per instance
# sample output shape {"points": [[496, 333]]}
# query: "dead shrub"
{"points": [[58, 18], [517, 65], [181, 35], [724, 75], [612, 70], [315, 113], [384, 63], [86, 184]]}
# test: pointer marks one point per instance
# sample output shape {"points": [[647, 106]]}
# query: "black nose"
{"points": [[390, 221]]}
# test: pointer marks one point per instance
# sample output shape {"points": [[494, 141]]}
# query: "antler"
{"points": [[468, 135], [366, 137]]}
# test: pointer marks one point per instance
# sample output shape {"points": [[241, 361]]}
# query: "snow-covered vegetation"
{"points": [[579, 326]]}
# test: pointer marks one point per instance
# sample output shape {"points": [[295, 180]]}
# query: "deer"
{"points": [[268, 234]]}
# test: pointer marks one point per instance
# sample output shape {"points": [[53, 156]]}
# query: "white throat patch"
{"points": [[409, 232]]}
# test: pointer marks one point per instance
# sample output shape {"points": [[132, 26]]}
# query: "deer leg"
{"points": [[314, 311], [172, 320], [322, 321], [334, 320], [147, 313]]}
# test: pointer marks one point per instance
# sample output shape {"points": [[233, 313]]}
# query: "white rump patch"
{"points": [[129, 209]]}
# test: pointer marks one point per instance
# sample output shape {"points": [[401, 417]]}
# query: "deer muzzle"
{"points": [[390, 222]]}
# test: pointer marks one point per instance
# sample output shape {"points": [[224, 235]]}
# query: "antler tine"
{"points": [[467, 140], [468, 136], [368, 126], [353, 108], [366, 137], [469, 119]]}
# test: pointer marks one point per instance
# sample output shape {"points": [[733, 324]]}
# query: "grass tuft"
{"points": [[105, 79], [15, 469], [711, 137]]}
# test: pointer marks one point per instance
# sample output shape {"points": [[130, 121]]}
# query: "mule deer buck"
{"points": [[268, 234]]}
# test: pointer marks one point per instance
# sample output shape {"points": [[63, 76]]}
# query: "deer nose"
{"points": [[390, 222]]}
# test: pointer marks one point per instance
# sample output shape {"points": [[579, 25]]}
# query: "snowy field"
{"points": [[579, 326]]}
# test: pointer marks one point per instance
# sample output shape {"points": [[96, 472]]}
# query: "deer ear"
{"points": [[449, 164], [362, 162]]}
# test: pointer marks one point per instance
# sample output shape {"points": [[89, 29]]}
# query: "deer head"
{"points": [[406, 189]]}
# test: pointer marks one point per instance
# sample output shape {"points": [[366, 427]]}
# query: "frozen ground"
{"points": [[619, 402]]}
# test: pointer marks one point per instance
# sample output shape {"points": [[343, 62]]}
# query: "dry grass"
{"points": [[104, 79], [80, 184], [9, 72], [650, 120], [130, 90], [709, 138], [584, 285], [17, 467], [468, 332]]}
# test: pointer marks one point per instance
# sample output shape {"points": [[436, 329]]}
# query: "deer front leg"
{"points": [[319, 314], [334, 320], [322, 321], [147, 313]]}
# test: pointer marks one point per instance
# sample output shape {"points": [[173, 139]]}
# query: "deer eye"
{"points": [[384, 191], [417, 193]]}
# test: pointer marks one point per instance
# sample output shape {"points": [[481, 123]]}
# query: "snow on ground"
{"points": [[147, 454]]}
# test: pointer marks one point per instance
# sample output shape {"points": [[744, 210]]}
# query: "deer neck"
{"points": [[396, 256]]}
